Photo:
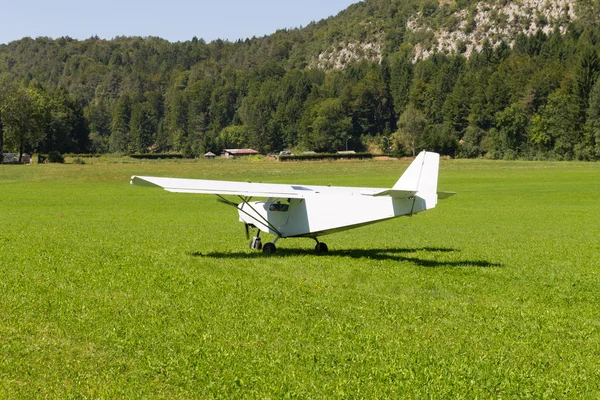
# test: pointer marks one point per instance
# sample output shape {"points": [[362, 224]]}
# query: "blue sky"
{"points": [[174, 20]]}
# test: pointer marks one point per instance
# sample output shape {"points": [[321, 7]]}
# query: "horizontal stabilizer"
{"points": [[396, 194], [445, 195]]}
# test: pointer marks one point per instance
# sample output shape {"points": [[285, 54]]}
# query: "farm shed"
{"points": [[233, 153]]}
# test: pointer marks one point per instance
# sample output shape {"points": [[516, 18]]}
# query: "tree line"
{"points": [[44, 121], [539, 99]]}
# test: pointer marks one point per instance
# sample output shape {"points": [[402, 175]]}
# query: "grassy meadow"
{"points": [[114, 291]]}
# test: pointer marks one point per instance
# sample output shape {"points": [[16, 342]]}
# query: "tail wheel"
{"points": [[321, 248], [269, 248]]}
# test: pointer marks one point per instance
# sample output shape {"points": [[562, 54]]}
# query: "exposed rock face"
{"points": [[496, 23], [469, 29], [339, 57]]}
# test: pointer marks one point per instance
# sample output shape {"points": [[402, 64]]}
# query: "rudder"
{"points": [[422, 176]]}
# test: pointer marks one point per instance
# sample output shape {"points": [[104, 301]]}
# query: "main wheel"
{"points": [[321, 247], [269, 248]]}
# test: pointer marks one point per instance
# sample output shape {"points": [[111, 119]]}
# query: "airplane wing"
{"points": [[251, 189], [246, 189]]}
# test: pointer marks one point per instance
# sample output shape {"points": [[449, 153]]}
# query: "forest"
{"points": [[535, 98]]}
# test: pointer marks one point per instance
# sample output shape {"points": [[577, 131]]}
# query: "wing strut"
{"points": [[245, 200]]}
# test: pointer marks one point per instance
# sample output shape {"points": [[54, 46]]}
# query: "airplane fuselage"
{"points": [[322, 214]]}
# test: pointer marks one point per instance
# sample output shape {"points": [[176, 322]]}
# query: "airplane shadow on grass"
{"points": [[401, 255]]}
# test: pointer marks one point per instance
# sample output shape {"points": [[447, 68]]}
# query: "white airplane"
{"points": [[291, 211]]}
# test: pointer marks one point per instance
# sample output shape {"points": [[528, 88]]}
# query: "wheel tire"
{"points": [[269, 248], [321, 247]]}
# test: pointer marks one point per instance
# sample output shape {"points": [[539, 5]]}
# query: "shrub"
{"points": [[324, 156], [156, 156], [84, 155], [55, 157]]}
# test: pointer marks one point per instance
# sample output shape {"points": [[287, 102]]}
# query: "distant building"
{"points": [[13, 158], [210, 156], [9, 158], [233, 153], [346, 152]]}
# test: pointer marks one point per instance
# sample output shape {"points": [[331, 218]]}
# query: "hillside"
{"points": [[466, 78]]}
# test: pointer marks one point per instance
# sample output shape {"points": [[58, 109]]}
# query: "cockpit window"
{"points": [[279, 207]]}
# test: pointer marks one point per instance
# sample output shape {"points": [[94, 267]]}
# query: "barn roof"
{"points": [[241, 151]]}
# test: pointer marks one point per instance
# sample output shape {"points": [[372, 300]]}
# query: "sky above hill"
{"points": [[174, 20]]}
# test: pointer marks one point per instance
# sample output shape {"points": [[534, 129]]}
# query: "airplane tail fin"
{"points": [[422, 178]]}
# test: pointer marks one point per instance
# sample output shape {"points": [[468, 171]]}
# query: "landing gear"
{"points": [[256, 244], [269, 248], [321, 247]]}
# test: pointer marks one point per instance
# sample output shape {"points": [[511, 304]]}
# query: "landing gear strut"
{"points": [[255, 243], [267, 248]]}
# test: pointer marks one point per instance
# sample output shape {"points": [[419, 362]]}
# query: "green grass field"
{"points": [[114, 291]]}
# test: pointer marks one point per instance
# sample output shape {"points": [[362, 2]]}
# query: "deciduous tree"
{"points": [[7, 89], [24, 117], [411, 127], [329, 126]]}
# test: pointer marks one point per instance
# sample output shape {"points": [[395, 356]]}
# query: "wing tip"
{"points": [[142, 181]]}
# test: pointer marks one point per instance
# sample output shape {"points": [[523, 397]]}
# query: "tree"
{"points": [[411, 127], [7, 89], [456, 110], [232, 137], [401, 70], [98, 119], [512, 127], [67, 129], [470, 144], [592, 128], [198, 97], [294, 89], [121, 116], [24, 118], [560, 118], [587, 73], [143, 127], [1, 137], [176, 120], [371, 105], [538, 134], [328, 128], [257, 112], [222, 107]]}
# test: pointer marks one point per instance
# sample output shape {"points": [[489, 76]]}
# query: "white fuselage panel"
{"points": [[322, 214]]}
